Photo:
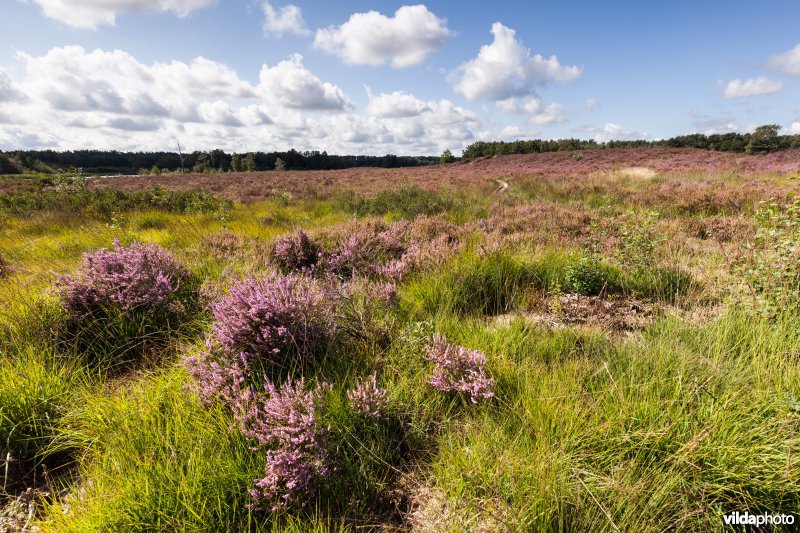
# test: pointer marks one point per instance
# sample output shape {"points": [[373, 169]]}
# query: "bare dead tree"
{"points": [[180, 155]]}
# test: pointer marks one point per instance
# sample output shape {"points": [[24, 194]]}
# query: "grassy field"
{"points": [[621, 328]]}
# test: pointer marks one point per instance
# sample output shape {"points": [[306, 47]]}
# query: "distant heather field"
{"points": [[577, 165]]}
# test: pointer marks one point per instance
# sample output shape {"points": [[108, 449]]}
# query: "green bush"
{"points": [[406, 202], [72, 196]]}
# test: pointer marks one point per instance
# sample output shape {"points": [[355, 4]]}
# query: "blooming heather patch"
{"points": [[126, 278], [459, 369], [296, 252], [364, 249], [367, 398], [274, 317], [284, 421]]}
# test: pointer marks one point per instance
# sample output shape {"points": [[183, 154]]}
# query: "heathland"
{"points": [[593, 340]]}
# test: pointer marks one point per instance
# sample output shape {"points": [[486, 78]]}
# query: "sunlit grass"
{"points": [[667, 427]]}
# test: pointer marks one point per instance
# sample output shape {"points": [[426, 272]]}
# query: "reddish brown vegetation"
{"points": [[564, 168]]}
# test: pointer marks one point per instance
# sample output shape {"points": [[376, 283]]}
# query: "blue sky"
{"points": [[387, 77]]}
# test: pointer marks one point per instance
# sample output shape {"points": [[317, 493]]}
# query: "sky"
{"points": [[355, 77]]}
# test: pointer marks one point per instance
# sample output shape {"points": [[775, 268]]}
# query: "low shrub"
{"points": [[264, 324], [365, 253], [124, 299], [367, 398], [460, 370], [586, 275], [127, 278], [103, 203], [283, 420], [295, 253], [406, 202], [274, 318]]}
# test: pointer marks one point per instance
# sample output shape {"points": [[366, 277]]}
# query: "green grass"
{"points": [[665, 428], [646, 436], [36, 389]]}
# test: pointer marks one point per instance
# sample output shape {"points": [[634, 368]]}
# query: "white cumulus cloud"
{"points": [[506, 68], [788, 62], [293, 85], [395, 105], [9, 92], [372, 38], [285, 19], [92, 13], [615, 132], [71, 79], [80, 99], [751, 87], [794, 129], [538, 112]]}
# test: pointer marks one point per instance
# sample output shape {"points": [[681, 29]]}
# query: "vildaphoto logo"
{"points": [[736, 518]]}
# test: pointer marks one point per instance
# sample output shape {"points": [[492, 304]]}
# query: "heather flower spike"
{"points": [[283, 419], [367, 398], [458, 369]]}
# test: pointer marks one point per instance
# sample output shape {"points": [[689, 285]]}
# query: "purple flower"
{"points": [[274, 317], [365, 252], [459, 369], [139, 276], [297, 252], [284, 421], [394, 270], [367, 398]]}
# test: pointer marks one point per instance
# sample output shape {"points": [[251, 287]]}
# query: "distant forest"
{"points": [[763, 140], [113, 162]]}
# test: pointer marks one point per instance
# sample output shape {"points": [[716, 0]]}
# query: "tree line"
{"points": [[114, 162], [763, 140]]}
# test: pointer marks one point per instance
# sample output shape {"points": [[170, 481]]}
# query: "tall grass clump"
{"points": [[151, 457], [640, 436], [124, 300], [405, 202], [36, 391], [485, 284]]}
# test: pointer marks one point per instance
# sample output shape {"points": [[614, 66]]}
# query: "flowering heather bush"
{"points": [[127, 278], [271, 317], [366, 248], [367, 398], [297, 252], [459, 369], [284, 420], [395, 269]]}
